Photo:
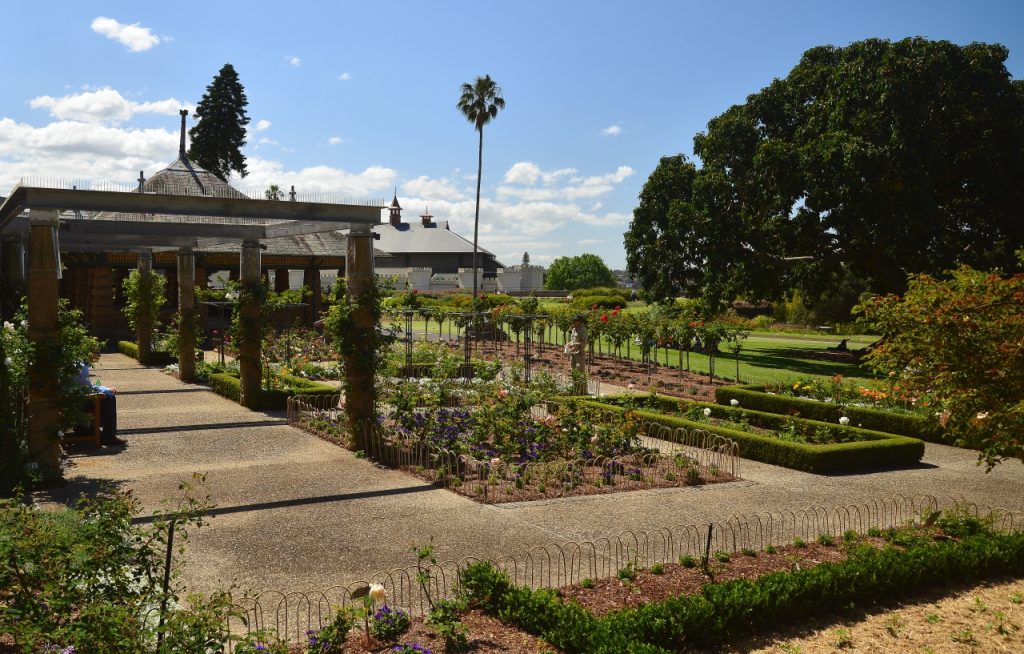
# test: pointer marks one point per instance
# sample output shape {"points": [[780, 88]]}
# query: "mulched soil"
{"points": [[620, 372], [509, 493], [487, 635], [609, 595]]}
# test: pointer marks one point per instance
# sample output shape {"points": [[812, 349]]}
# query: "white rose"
{"points": [[707, 412], [734, 402], [8, 361], [844, 421], [377, 592]]}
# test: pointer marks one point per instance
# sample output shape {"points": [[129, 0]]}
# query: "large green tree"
{"points": [[877, 159], [218, 138], [582, 271], [479, 103]]}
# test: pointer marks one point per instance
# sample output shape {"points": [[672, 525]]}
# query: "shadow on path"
{"points": [[201, 427], [303, 501]]}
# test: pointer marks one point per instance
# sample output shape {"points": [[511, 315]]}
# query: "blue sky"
{"points": [[358, 98]]}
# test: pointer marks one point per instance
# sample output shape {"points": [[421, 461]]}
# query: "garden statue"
{"points": [[576, 349]]}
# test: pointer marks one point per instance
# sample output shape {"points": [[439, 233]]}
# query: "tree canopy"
{"points": [[218, 138], [875, 160], [583, 271]]}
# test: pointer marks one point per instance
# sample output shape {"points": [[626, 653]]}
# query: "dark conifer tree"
{"points": [[218, 138]]}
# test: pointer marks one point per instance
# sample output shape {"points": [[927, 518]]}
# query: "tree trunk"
{"points": [[476, 216]]}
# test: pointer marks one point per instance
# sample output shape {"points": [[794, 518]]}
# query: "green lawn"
{"points": [[766, 356]]}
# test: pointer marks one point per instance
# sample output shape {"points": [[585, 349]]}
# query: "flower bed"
{"points": [[876, 418], [504, 448], [790, 442]]}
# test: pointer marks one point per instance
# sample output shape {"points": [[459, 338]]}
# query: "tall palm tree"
{"points": [[480, 102]]}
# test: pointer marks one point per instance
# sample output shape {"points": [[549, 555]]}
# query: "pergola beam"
{"points": [[29, 197]]}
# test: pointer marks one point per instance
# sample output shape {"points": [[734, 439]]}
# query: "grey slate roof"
{"points": [[320, 244], [410, 238]]}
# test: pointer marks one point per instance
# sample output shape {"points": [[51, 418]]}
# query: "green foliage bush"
{"points": [[228, 385], [600, 301], [156, 357], [871, 450], [904, 424], [89, 579], [725, 610]]}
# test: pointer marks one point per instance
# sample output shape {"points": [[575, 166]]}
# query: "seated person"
{"points": [[108, 405]]}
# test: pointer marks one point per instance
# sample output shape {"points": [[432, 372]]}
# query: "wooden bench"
{"points": [[92, 437]]}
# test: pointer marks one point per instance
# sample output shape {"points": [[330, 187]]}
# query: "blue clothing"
{"points": [[83, 378]]}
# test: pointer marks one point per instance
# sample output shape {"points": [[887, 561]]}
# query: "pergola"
{"points": [[45, 218]]}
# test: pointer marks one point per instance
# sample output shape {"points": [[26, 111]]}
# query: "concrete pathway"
{"points": [[295, 512]]}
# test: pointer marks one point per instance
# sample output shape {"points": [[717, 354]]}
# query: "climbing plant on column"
{"points": [[144, 294]]}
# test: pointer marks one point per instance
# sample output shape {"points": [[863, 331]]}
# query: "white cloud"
{"points": [[527, 182], [612, 130], [264, 140], [591, 241], [134, 37], [262, 125], [344, 77], [104, 105], [335, 140], [428, 189], [319, 179], [293, 60], [79, 150]]}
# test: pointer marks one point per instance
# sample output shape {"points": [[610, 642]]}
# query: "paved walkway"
{"points": [[296, 512]]}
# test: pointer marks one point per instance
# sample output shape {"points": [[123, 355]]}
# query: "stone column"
{"points": [[144, 326], [360, 366], [43, 401], [12, 274], [280, 280], [249, 318], [203, 282], [189, 314], [311, 280]]}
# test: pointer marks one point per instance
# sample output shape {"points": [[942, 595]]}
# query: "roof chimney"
{"points": [[181, 143], [427, 218], [395, 211]]}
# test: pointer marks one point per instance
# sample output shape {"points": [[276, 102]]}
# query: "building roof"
{"points": [[320, 244], [410, 238]]}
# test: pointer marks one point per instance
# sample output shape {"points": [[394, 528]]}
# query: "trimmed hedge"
{"points": [[725, 610], [230, 386], [156, 358], [904, 424], [875, 449]]}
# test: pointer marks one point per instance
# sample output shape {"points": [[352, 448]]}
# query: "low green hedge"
{"points": [[128, 348], [230, 386], [905, 424], [723, 611], [872, 450], [156, 358]]}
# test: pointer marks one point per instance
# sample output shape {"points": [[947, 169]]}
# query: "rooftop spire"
{"points": [[181, 143]]}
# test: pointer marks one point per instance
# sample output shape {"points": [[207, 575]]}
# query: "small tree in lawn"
{"points": [[956, 347], [218, 138]]}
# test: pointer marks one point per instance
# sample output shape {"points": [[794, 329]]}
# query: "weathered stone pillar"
{"points": [[249, 319], [311, 280], [144, 325], [360, 366], [189, 314], [12, 274], [280, 280], [203, 282], [43, 401]]}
